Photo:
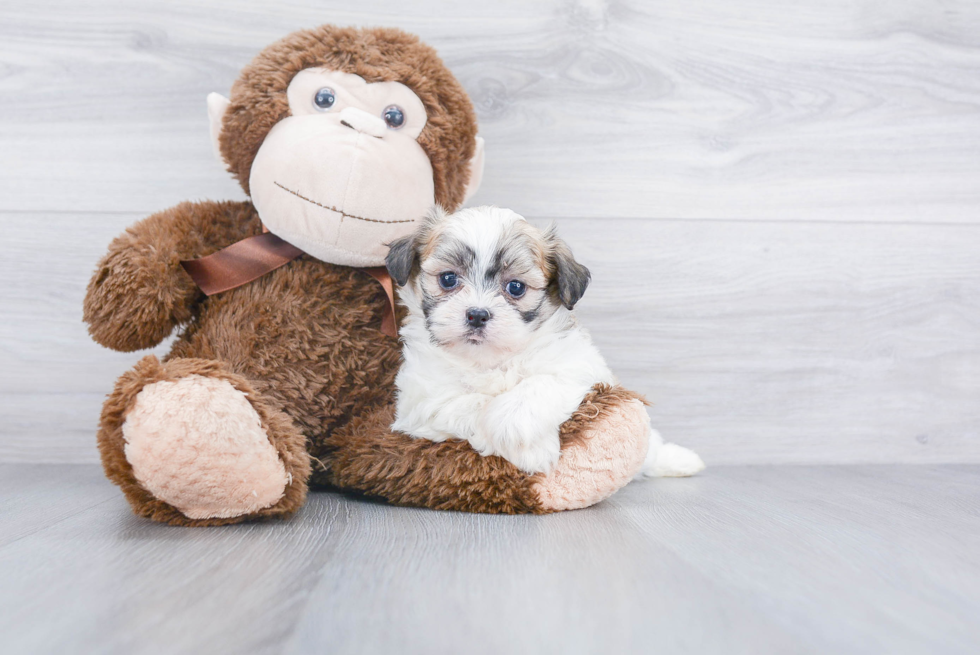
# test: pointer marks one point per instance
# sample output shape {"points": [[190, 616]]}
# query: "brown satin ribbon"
{"points": [[240, 263], [251, 258], [388, 325]]}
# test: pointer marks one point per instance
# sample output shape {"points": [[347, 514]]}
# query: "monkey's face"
{"points": [[344, 175]]}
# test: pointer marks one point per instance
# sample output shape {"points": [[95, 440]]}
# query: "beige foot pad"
{"points": [[606, 461], [198, 444]]}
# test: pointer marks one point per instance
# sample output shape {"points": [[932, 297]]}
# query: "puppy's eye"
{"points": [[448, 280], [516, 288], [394, 117], [324, 98]]}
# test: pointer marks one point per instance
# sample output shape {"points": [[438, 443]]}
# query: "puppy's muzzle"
{"points": [[477, 317]]}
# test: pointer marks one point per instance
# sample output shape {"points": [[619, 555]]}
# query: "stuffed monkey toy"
{"points": [[281, 375]]}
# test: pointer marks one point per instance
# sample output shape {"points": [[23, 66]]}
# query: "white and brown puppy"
{"points": [[492, 351]]}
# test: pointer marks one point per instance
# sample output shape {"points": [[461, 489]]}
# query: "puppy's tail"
{"points": [[668, 460]]}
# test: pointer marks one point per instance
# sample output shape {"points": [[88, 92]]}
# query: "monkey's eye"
{"points": [[516, 288], [394, 117], [448, 280], [324, 98]]}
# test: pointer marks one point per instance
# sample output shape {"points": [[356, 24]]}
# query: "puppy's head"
{"points": [[484, 279]]}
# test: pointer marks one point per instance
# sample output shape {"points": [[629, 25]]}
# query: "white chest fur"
{"points": [[513, 409]]}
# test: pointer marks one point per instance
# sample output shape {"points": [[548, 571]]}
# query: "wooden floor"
{"points": [[751, 559]]}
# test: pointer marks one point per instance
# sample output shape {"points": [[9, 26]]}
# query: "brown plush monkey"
{"points": [[342, 138]]}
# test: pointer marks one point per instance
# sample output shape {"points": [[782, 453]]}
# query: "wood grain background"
{"points": [[781, 208]]}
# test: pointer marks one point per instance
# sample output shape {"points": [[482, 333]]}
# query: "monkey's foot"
{"points": [[198, 447], [601, 451]]}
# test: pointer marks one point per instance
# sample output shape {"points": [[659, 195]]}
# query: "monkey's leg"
{"points": [[603, 446], [190, 443]]}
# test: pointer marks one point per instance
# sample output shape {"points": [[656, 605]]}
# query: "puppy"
{"points": [[492, 351]]}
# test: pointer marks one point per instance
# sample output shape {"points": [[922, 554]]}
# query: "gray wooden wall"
{"points": [[780, 202]]}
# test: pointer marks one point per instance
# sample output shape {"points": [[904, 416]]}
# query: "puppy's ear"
{"points": [[571, 279], [403, 254], [401, 259]]}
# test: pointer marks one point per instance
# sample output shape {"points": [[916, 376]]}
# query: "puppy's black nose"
{"points": [[477, 318]]}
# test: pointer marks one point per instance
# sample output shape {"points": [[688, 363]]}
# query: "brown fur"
{"points": [[306, 338], [449, 475], [258, 98], [139, 292]]}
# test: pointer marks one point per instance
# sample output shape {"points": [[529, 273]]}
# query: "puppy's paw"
{"points": [[536, 456], [528, 441]]}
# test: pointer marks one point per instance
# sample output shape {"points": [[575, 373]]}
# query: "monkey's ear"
{"points": [[571, 278], [401, 259], [476, 170], [217, 105]]}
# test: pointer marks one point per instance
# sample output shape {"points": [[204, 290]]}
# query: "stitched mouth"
{"points": [[334, 209]]}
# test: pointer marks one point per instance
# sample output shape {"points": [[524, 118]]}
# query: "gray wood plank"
{"points": [[33, 498], [814, 548], [834, 111], [583, 582], [54, 377], [757, 342], [762, 559], [790, 342], [105, 581]]}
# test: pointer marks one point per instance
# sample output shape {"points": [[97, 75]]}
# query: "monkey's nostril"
{"points": [[363, 122], [362, 131]]}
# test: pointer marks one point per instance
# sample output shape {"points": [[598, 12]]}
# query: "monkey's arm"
{"points": [[603, 446], [139, 291]]}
